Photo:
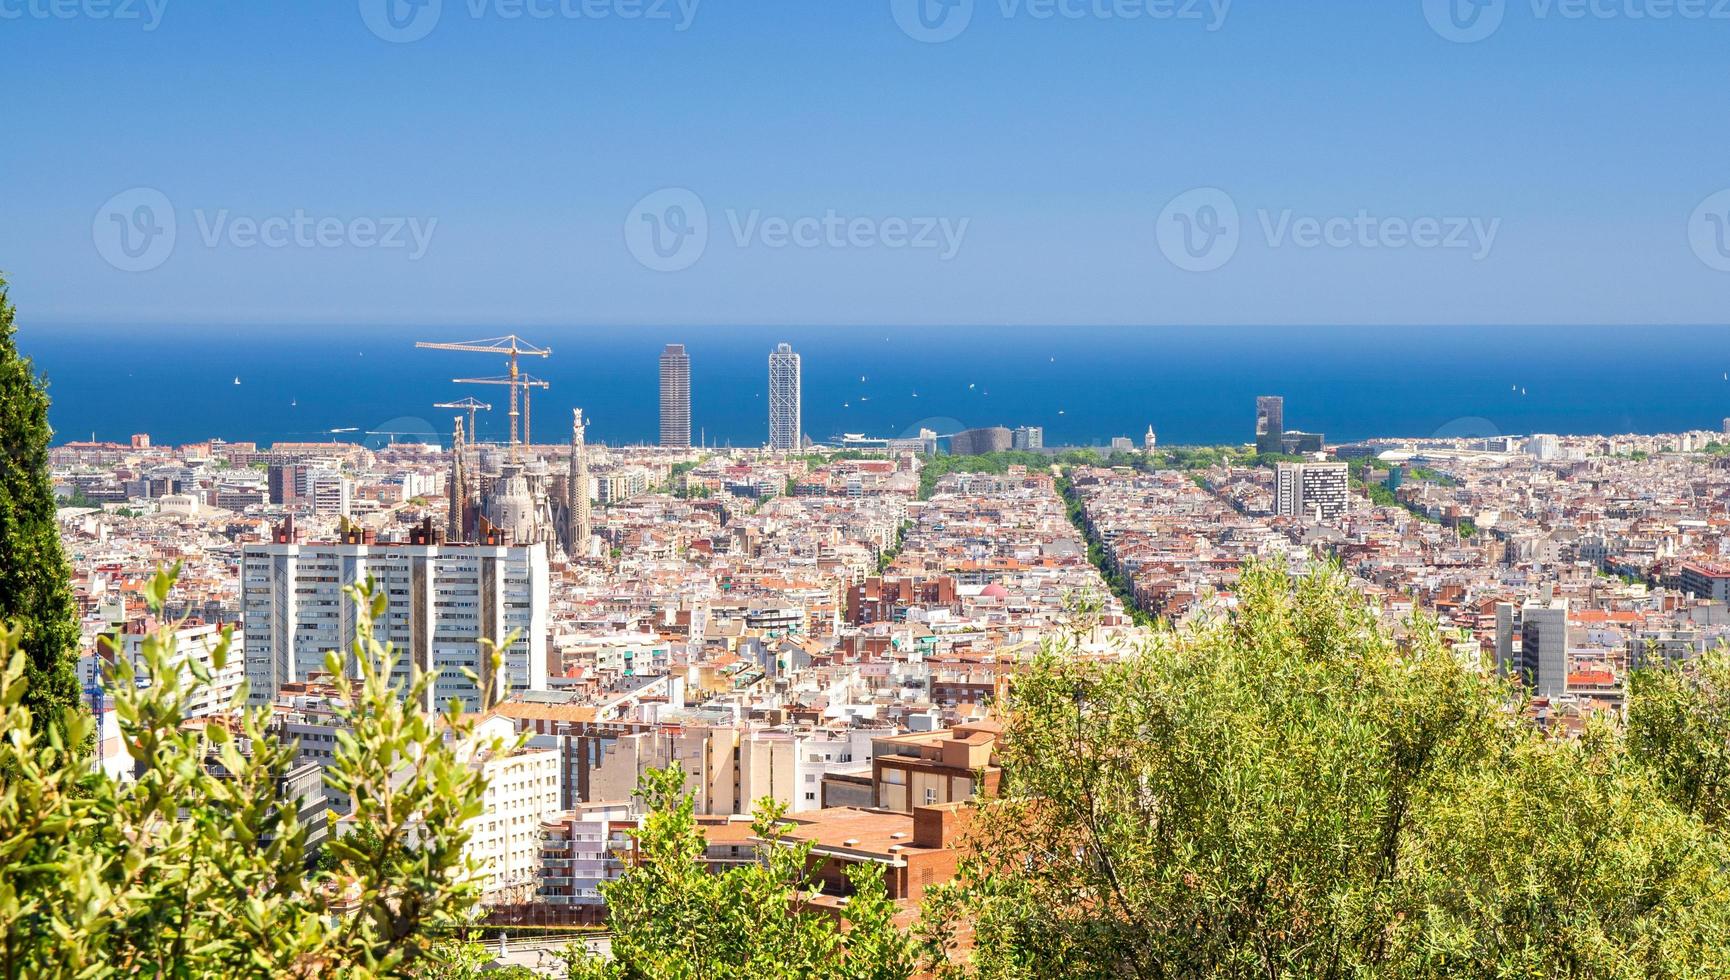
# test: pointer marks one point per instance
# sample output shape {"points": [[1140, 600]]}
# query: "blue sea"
{"points": [[1083, 384]]}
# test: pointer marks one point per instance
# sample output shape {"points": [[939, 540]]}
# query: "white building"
{"points": [[443, 600], [193, 643], [1311, 491], [1545, 447], [1027, 437], [330, 492], [522, 791], [785, 425], [584, 848]]}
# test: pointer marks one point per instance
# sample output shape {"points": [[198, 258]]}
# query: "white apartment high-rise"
{"points": [[675, 397], [784, 420], [1311, 491], [443, 600]]}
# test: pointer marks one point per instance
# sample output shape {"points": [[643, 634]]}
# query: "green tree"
{"points": [[1679, 728], [196, 867], [35, 580], [1291, 792], [673, 920]]}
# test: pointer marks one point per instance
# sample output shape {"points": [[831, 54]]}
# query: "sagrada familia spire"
{"points": [[458, 488], [577, 529]]}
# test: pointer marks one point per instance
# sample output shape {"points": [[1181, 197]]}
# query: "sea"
{"points": [[1084, 385]]}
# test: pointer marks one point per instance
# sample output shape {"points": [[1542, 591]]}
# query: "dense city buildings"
{"points": [[837, 629], [675, 397], [785, 423]]}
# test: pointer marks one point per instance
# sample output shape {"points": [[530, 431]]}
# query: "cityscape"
{"points": [[828, 624], [905, 490]]}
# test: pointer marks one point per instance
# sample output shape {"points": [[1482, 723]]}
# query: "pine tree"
{"points": [[35, 580]]}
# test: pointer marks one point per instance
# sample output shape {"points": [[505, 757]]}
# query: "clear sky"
{"points": [[848, 165]]}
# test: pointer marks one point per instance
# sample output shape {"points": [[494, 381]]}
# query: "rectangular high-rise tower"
{"points": [[444, 599], [675, 397], [1269, 423], [784, 421], [1312, 491]]}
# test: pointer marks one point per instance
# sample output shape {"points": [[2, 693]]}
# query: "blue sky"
{"points": [[829, 150]]}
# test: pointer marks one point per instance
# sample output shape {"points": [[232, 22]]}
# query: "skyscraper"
{"points": [[1269, 423], [1311, 491], [784, 421], [444, 599], [675, 397]]}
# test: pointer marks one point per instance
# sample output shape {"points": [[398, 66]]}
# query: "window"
{"points": [[930, 795]]}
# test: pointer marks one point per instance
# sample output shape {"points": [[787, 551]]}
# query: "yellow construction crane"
{"points": [[512, 346], [470, 405], [524, 381]]}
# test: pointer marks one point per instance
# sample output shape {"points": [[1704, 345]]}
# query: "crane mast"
{"points": [[513, 347]]}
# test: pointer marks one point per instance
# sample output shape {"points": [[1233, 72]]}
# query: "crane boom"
{"points": [[513, 347]]}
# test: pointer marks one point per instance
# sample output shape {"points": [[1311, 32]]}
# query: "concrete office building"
{"points": [[443, 600], [785, 425], [1541, 627], [1028, 437], [331, 493], [675, 397]]}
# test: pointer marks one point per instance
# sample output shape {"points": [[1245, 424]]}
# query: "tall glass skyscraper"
{"points": [[1269, 423], [784, 421], [675, 397]]}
